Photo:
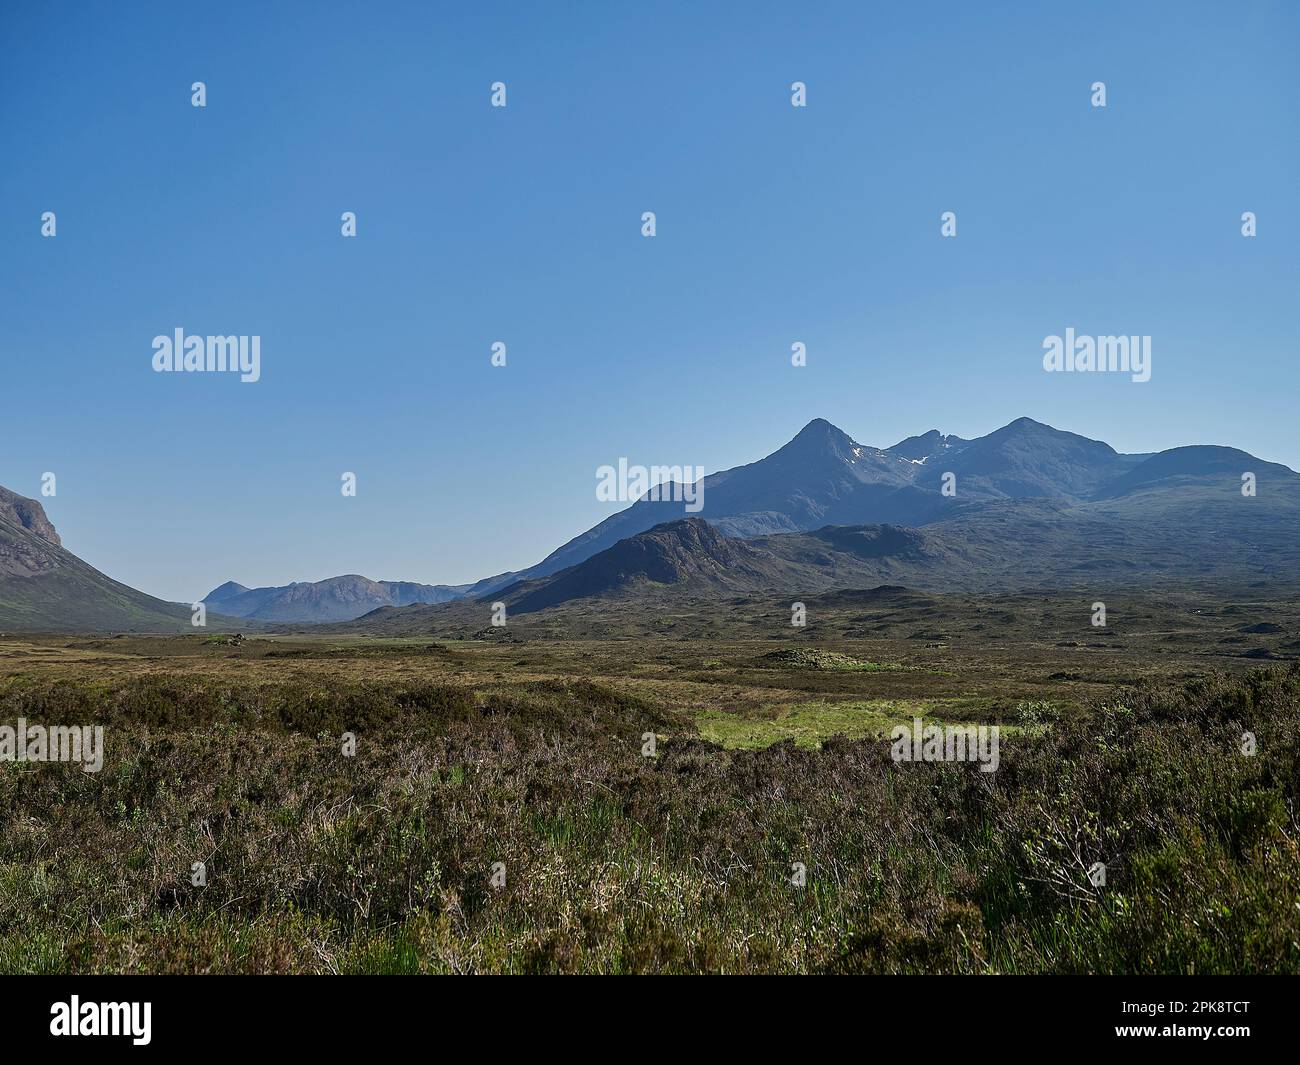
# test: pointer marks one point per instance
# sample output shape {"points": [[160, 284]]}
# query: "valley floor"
{"points": [[705, 790]]}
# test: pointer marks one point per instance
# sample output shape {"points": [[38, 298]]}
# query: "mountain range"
{"points": [[1057, 493], [1027, 505], [824, 477]]}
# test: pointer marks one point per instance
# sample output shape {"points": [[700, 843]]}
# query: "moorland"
{"points": [[701, 787]]}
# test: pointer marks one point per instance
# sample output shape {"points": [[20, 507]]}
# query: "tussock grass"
{"points": [[814, 658]]}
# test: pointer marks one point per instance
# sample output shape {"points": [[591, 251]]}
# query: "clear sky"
{"points": [[522, 224]]}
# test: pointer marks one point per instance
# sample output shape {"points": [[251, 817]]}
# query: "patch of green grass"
{"points": [[808, 724]]}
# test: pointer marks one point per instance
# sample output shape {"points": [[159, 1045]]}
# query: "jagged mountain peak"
{"points": [[821, 435], [1029, 428], [920, 448], [819, 427]]}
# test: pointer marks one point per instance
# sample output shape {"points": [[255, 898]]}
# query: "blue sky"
{"points": [[522, 224]]}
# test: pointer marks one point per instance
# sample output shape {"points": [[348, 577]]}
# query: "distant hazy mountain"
{"points": [[824, 477], [335, 599], [46, 588]]}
